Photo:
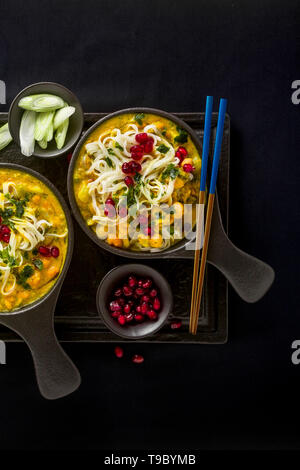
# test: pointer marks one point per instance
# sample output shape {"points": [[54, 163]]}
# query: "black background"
{"points": [[170, 55]]}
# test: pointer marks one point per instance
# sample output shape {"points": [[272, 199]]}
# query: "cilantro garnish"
{"points": [[162, 148], [22, 277], [138, 118], [7, 258], [118, 146], [38, 263], [111, 152], [170, 172], [182, 136], [18, 203], [109, 162]]}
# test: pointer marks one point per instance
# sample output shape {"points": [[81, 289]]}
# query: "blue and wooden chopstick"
{"points": [[198, 280]]}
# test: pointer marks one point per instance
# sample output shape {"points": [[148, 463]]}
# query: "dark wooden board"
{"points": [[76, 317]]}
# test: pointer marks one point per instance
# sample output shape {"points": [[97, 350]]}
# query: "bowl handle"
{"points": [[56, 374]]}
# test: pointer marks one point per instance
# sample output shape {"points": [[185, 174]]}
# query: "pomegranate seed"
{"points": [[114, 306], [121, 301], [139, 291], [110, 201], [182, 151], [137, 359], [115, 314], [178, 155], [147, 284], [5, 237], [130, 302], [141, 138], [156, 303], [144, 307], [122, 211], [145, 298], [136, 149], [44, 251], [136, 167], [136, 156], [54, 252], [140, 282], [153, 293], [147, 231], [118, 293], [175, 325], [138, 309], [128, 181], [188, 168], [139, 317], [126, 168], [126, 308], [5, 229], [129, 317], [132, 281], [121, 319], [148, 146], [109, 211], [127, 291], [119, 352], [152, 315]]}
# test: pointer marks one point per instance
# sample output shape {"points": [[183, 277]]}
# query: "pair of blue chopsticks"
{"points": [[198, 276]]}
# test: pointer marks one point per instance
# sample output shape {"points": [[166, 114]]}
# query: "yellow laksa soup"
{"points": [[33, 239], [154, 164]]}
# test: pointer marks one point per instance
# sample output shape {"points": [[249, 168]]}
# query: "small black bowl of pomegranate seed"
{"points": [[134, 300]]}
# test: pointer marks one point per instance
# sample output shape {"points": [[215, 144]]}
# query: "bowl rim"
{"points": [[75, 209], [59, 281], [41, 153], [132, 267]]}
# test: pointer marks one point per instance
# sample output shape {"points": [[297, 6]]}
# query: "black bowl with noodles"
{"points": [[76, 211], [57, 376]]}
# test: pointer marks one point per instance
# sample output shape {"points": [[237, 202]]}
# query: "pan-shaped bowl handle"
{"points": [[56, 374]]}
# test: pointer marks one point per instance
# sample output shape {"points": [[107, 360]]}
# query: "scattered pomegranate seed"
{"points": [[175, 325], [139, 309], [139, 291], [137, 359], [5, 230], [114, 306], [55, 252], [132, 281], [126, 168], [182, 151], [147, 284], [121, 301], [5, 237], [44, 251], [148, 146], [147, 231], [152, 315], [139, 317], [129, 317], [127, 308], [145, 298], [188, 168], [136, 149], [178, 155], [128, 181], [110, 201], [115, 314], [144, 307], [127, 291], [141, 138], [136, 167], [118, 293], [153, 293], [140, 282], [156, 304], [121, 319], [119, 352]]}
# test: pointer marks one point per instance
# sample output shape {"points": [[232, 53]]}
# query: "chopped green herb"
{"points": [[35, 251], [137, 177], [38, 264], [118, 146], [111, 152], [22, 277], [163, 148], [170, 172], [25, 255], [130, 196], [109, 162], [182, 137], [138, 118], [18, 203], [164, 132], [7, 258]]}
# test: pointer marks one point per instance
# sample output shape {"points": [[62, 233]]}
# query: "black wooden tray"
{"points": [[76, 317]]}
